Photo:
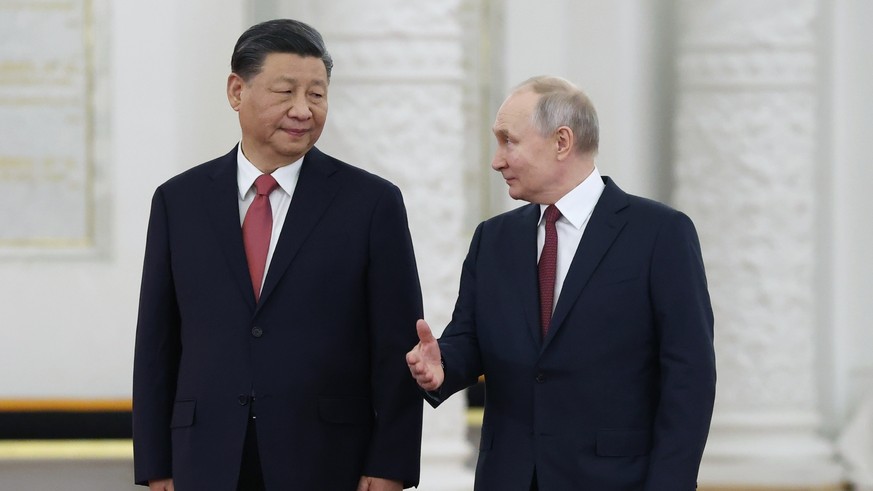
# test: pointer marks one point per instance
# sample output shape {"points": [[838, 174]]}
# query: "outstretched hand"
{"points": [[367, 483], [424, 360], [161, 485]]}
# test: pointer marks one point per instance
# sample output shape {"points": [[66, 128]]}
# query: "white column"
{"points": [[852, 119], [398, 107], [748, 139]]}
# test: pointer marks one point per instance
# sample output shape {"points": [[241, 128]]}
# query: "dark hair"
{"points": [[276, 36]]}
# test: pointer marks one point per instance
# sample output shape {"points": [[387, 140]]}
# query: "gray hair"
{"points": [[563, 104]]}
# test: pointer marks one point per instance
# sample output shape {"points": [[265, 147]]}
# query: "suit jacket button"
{"points": [[257, 332], [243, 400], [541, 377]]}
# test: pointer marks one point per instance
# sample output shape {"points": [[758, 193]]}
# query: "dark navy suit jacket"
{"points": [[322, 351], [619, 395]]}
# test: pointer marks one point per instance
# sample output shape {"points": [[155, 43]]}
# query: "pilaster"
{"points": [[746, 138]]}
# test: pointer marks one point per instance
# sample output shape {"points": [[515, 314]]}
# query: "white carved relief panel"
{"points": [[412, 135], [397, 109], [746, 151], [388, 18]]}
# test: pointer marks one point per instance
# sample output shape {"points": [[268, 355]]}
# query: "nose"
{"points": [[498, 162], [300, 108]]}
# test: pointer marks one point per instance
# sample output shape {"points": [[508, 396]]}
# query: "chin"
{"points": [[515, 194]]}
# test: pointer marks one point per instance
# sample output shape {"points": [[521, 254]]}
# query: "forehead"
{"points": [[516, 111], [291, 66]]}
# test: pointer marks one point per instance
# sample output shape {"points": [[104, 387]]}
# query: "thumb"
{"points": [[425, 335]]}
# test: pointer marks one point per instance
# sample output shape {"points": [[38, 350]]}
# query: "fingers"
{"points": [[424, 359], [428, 348], [161, 485], [420, 370], [380, 484], [414, 355], [363, 484], [429, 377], [425, 335]]}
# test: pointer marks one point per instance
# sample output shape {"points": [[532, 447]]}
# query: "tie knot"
{"points": [[552, 214], [265, 184]]}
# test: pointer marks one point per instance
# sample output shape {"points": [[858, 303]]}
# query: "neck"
{"points": [[267, 164], [580, 171]]}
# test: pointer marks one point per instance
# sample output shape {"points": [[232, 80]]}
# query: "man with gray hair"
{"points": [[587, 311]]}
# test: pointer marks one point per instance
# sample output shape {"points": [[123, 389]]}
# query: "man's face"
{"points": [[525, 158], [282, 109]]}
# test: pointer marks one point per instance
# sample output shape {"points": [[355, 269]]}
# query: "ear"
{"points": [[564, 141], [235, 85]]}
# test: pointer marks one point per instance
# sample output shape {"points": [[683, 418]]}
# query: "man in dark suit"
{"points": [[598, 357], [278, 297]]}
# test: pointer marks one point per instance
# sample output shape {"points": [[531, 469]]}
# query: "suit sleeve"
{"points": [[156, 353], [394, 300], [684, 323], [459, 344]]}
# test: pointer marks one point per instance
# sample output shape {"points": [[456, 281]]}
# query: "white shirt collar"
{"points": [[246, 173], [577, 205]]}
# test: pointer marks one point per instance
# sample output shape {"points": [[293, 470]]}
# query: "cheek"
{"points": [[319, 114], [274, 112], [518, 162], [509, 155], [269, 108]]}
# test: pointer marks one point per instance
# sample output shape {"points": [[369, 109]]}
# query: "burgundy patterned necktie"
{"points": [[548, 260], [257, 228]]}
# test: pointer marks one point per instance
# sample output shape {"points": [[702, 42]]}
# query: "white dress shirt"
{"points": [[280, 198], [576, 208]]}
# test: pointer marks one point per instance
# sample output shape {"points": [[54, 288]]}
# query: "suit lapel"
{"points": [[521, 260], [602, 229], [313, 194], [223, 208]]}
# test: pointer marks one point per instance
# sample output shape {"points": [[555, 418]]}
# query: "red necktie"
{"points": [[257, 228], [548, 260]]}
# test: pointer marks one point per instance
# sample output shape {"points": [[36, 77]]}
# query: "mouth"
{"points": [[295, 131]]}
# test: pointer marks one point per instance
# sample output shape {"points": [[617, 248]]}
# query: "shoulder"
{"points": [[319, 162], [202, 173], [645, 220], [514, 216], [511, 225], [634, 207]]}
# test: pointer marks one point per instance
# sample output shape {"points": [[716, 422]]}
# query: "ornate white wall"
{"points": [[850, 165], [748, 146]]}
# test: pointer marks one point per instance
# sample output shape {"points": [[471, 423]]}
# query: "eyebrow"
{"points": [[500, 132], [294, 81]]}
